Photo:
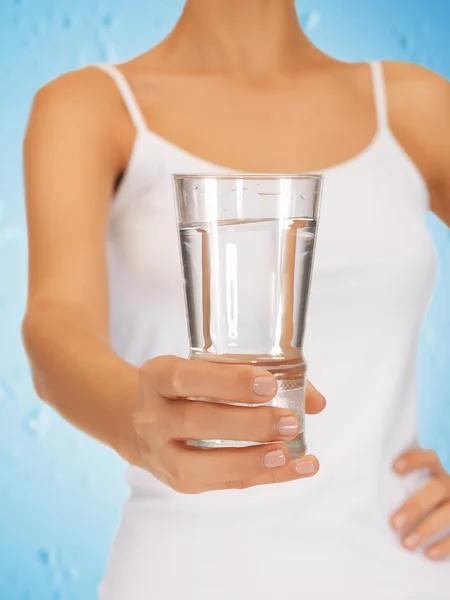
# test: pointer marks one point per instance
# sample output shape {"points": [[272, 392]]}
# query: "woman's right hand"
{"points": [[164, 420]]}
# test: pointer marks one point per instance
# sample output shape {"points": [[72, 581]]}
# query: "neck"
{"points": [[246, 37]]}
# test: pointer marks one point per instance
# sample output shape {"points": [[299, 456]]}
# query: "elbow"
{"points": [[30, 341]]}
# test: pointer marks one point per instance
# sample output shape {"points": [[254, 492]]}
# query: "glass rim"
{"points": [[262, 176]]}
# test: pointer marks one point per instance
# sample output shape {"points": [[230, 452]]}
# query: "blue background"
{"points": [[60, 492]]}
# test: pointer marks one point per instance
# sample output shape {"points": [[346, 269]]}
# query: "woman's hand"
{"points": [[164, 419], [427, 513]]}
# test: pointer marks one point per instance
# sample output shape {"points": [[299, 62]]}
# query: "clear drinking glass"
{"points": [[247, 249]]}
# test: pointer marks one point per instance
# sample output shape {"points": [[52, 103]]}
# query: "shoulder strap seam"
{"points": [[126, 94]]}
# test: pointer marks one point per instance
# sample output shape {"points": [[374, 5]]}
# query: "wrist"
{"points": [[124, 439]]}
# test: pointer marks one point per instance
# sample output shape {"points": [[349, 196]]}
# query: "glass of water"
{"points": [[247, 248]]}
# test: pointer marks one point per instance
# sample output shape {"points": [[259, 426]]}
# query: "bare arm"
{"points": [[419, 103], [419, 106], [71, 163], [72, 160]]}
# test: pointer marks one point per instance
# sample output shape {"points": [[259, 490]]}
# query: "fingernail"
{"points": [[264, 386], [400, 465], [288, 426], [412, 541], [275, 458], [399, 521], [305, 467], [434, 553]]}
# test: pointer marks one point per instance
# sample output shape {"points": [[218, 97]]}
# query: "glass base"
{"points": [[297, 446]]}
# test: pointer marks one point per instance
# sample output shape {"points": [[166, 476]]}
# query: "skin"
{"points": [[229, 70]]}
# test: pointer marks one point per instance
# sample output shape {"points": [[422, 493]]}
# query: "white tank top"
{"points": [[328, 536]]}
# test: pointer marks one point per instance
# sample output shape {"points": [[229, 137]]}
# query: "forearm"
{"points": [[76, 372]]}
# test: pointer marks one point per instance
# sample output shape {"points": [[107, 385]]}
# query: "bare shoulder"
{"points": [[79, 110], [419, 116], [411, 73], [84, 95], [417, 88], [419, 99]]}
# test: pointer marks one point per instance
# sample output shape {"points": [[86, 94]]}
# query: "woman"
{"points": [[238, 86]]}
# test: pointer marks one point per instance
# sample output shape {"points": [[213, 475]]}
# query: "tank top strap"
{"points": [[379, 94], [127, 95]]}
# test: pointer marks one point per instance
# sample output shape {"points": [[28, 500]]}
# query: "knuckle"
{"points": [[144, 449], [147, 420], [176, 377], [433, 457], [272, 477], [441, 488], [162, 361], [173, 470], [269, 423], [244, 378], [239, 484], [161, 368], [148, 375], [413, 509], [154, 365], [179, 487], [143, 378], [185, 485], [148, 455], [187, 418], [433, 522]]}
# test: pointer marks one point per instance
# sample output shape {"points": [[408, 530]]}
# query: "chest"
{"points": [[297, 127], [373, 249]]}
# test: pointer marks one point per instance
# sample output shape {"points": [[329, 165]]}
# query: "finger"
{"points": [[180, 378], [418, 505], [191, 470], [191, 420], [315, 401], [418, 459], [305, 467], [435, 523], [440, 550]]}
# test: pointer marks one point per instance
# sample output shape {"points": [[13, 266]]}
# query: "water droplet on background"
{"points": [[67, 22], [108, 21], [88, 476], [404, 42], [310, 21], [71, 574], [7, 392], [107, 51], [37, 422], [47, 557]]}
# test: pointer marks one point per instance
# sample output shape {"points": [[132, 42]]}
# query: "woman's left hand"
{"points": [[426, 514]]}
